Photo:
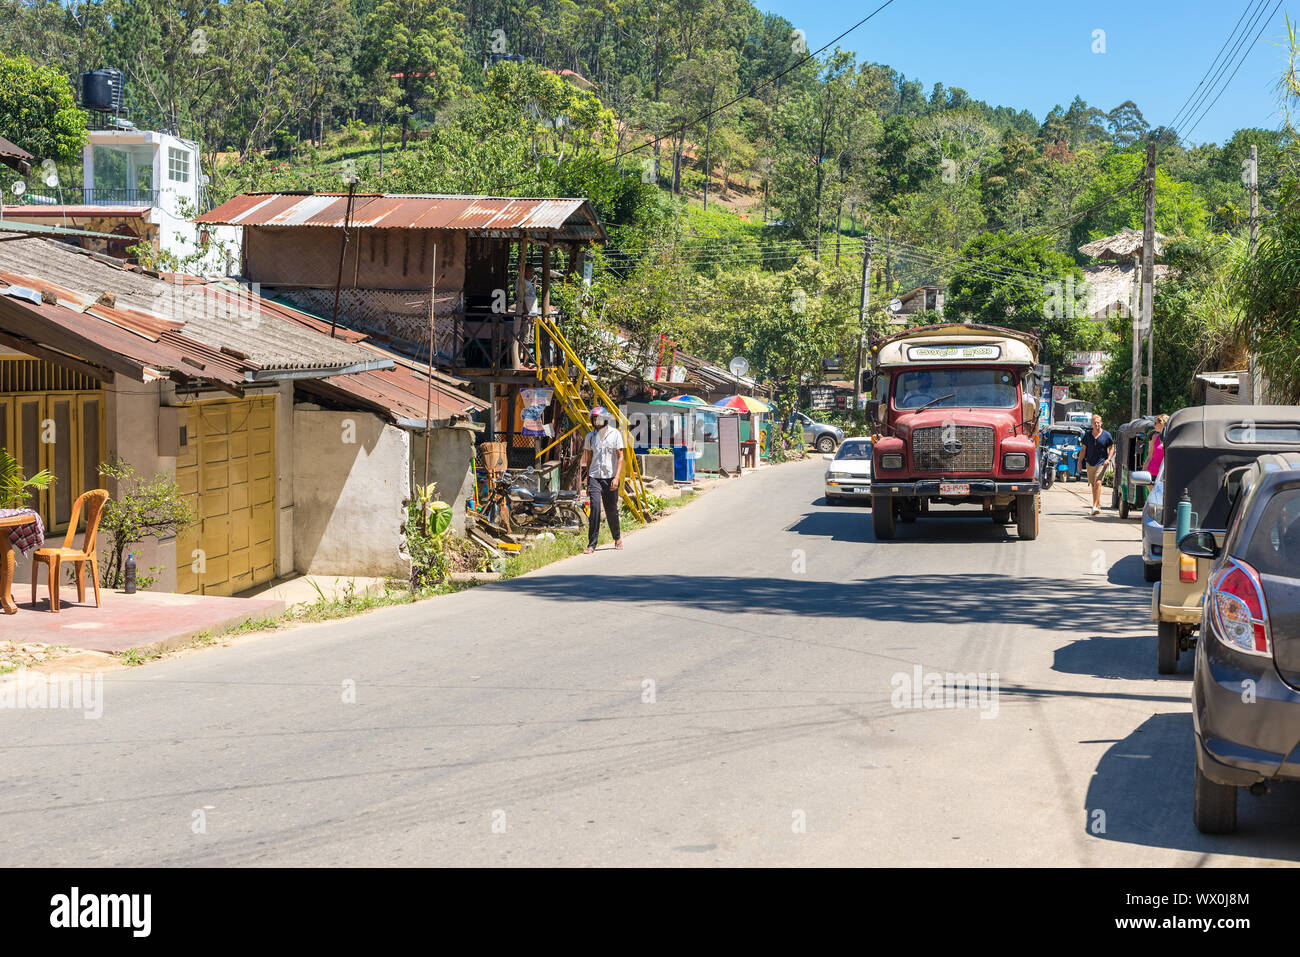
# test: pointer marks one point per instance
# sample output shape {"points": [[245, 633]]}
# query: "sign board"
{"points": [[821, 397], [895, 305], [1089, 366], [1060, 393], [952, 353], [739, 366]]}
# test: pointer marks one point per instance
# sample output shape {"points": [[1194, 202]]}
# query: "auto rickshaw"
{"points": [[1208, 448], [1067, 442], [1132, 449]]}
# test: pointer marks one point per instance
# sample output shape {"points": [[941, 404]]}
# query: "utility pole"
{"points": [[1142, 327], [1252, 185], [862, 321]]}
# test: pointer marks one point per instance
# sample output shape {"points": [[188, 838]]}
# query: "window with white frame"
{"points": [[178, 165]]}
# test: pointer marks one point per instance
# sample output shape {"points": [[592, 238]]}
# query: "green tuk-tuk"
{"points": [[1132, 449]]}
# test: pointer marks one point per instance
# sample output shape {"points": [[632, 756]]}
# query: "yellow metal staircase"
{"points": [[570, 379]]}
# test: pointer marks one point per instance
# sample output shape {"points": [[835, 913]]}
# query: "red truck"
{"points": [[955, 414]]}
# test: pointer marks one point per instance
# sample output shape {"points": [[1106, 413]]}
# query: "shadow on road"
{"points": [[1118, 657], [1143, 785], [1128, 571], [955, 599]]}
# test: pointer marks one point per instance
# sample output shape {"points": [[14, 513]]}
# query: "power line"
{"points": [[1173, 123], [1240, 62]]}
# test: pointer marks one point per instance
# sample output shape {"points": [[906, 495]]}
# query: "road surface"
{"points": [[726, 690]]}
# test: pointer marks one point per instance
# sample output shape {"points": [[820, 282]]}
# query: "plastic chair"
{"points": [[53, 558]]}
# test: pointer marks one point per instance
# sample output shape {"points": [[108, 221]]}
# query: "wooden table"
{"points": [[7, 562]]}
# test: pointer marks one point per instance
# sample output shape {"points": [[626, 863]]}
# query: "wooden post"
{"points": [[1252, 176], [546, 301], [862, 322], [521, 309], [428, 394], [1142, 331]]}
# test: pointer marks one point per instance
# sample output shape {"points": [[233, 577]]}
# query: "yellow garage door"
{"points": [[227, 471]]}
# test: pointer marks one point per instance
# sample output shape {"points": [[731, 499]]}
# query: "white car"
{"points": [[848, 476]]}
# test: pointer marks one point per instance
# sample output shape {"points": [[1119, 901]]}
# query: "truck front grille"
{"points": [[960, 448]]}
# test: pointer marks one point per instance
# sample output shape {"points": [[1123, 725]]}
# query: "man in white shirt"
{"points": [[602, 457]]}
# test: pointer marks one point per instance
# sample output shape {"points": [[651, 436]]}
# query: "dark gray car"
{"points": [[1246, 690], [823, 437]]}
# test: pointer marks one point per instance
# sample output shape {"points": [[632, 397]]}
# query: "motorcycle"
{"points": [[518, 501], [1051, 462]]}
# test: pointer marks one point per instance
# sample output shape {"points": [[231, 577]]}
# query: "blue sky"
{"points": [[1034, 54]]}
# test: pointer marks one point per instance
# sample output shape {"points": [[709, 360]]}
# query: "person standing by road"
{"points": [[602, 457], [1098, 452], [1157, 446]]}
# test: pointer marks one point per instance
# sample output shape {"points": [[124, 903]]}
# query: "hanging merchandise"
{"points": [[533, 417]]}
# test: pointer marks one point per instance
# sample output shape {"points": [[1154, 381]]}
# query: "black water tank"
{"points": [[103, 90]]}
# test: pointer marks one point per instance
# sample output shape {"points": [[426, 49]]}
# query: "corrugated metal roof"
{"points": [[212, 314], [401, 211], [401, 391], [42, 210]]}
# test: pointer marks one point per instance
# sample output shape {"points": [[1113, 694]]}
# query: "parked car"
{"points": [[1153, 529], [822, 437], [848, 474], [1208, 449], [1246, 689]]}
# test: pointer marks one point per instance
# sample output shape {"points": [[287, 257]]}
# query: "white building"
{"points": [[142, 186]]}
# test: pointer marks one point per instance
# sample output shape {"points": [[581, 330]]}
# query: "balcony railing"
{"points": [[76, 196]]}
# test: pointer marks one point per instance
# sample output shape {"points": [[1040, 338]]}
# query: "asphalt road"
{"points": [[513, 724]]}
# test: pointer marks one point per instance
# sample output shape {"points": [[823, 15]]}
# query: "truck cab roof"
{"points": [[958, 343]]}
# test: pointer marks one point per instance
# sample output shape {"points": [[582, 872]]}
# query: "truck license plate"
{"points": [[954, 488]]}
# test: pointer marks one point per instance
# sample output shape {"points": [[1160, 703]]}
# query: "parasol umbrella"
{"points": [[687, 400], [744, 403]]}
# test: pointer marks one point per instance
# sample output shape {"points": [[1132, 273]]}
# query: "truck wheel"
{"points": [[1027, 517], [1167, 647], [1214, 805], [882, 518], [1150, 572]]}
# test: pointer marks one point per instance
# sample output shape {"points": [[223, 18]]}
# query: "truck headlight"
{"points": [[1015, 461], [891, 461]]}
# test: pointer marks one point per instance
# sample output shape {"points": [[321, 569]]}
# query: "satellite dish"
{"points": [[739, 366], [895, 305]]}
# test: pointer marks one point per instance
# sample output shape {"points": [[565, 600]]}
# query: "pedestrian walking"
{"points": [[1098, 453], [602, 457]]}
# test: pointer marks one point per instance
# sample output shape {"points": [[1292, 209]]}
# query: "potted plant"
{"points": [[15, 491]]}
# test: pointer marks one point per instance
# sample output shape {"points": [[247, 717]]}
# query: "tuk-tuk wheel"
{"points": [[1167, 647], [1123, 507]]}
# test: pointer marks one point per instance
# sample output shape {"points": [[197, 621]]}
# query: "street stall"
{"points": [[750, 411]]}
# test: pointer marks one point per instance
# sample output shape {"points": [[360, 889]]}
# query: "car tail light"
{"points": [[1186, 568], [1237, 603], [894, 461]]}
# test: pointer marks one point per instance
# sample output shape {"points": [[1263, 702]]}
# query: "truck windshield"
{"points": [[956, 389]]}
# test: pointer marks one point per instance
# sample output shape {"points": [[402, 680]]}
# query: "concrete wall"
{"points": [[350, 482], [131, 424], [451, 452]]}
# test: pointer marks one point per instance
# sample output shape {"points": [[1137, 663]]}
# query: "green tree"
{"points": [[1025, 285], [37, 111], [416, 45]]}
